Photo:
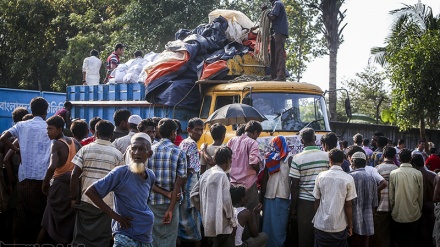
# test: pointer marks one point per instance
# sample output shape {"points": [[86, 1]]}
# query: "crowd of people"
{"points": [[135, 183]]}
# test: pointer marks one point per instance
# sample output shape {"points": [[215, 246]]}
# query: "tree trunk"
{"points": [[423, 132], [332, 81]]}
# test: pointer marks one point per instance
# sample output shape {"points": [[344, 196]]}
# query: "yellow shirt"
{"points": [[406, 193]]}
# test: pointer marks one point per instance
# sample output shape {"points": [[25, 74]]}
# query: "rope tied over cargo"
{"points": [[263, 38]]}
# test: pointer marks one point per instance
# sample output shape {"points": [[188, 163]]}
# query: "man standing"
{"points": [[169, 165], [122, 143], [59, 217], [382, 216], [377, 156], [211, 191], [93, 162], [92, 124], [189, 217], [90, 69], [132, 219], [303, 171], [246, 164], [113, 60], [148, 127], [421, 150], [65, 113], [368, 151], [363, 204], [330, 141], [279, 33], [35, 153], [120, 117], [406, 201], [433, 161], [436, 200], [334, 191], [426, 222]]}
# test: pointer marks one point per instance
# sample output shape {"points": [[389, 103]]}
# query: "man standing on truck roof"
{"points": [[90, 69], [279, 31], [113, 60]]}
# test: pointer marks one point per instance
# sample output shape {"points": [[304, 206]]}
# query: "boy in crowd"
{"points": [[246, 220], [218, 132], [212, 190]]}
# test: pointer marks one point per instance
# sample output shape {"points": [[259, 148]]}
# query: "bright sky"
{"points": [[368, 26]]}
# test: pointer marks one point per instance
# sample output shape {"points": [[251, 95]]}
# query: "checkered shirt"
{"points": [[168, 162]]}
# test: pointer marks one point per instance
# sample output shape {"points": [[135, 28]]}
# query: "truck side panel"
{"points": [[104, 100]]}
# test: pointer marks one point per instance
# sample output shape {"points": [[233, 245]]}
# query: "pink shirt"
{"points": [[244, 152]]}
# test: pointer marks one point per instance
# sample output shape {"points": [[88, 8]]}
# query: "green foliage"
{"points": [[366, 91], [414, 76], [411, 57]]}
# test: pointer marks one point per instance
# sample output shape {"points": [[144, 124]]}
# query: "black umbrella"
{"points": [[235, 114]]}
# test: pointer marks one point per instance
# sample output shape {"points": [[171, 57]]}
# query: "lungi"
{"points": [[190, 221], [92, 226], [275, 219], [30, 209], [331, 239], [164, 235], [59, 216]]}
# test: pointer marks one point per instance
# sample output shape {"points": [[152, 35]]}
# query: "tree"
{"points": [[414, 76], [332, 18], [411, 57], [29, 43], [367, 93], [304, 43]]}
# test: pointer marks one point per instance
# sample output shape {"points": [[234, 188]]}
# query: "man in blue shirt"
{"points": [[132, 218], [279, 31]]}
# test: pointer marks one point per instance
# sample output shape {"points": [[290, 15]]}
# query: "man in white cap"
{"points": [[123, 142], [132, 218], [363, 204]]}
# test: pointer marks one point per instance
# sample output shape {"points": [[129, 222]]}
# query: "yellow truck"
{"points": [[288, 107]]}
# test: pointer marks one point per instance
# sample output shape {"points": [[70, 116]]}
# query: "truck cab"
{"points": [[288, 107]]}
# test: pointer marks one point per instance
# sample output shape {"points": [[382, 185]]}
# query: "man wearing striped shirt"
{"points": [[304, 169], [93, 162], [382, 217]]}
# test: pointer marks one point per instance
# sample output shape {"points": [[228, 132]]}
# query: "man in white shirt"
{"points": [[35, 154], [334, 191], [90, 69]]}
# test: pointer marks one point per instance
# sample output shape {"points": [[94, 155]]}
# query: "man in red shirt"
{"points": [[433, 161], [113, 60]]}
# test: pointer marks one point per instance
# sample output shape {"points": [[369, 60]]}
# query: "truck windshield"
{"points": [[291, 111]]}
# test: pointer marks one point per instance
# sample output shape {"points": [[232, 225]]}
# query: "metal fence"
{"points": [[411, 137]]}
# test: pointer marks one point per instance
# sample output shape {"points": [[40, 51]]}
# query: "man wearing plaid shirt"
{"points": [[169, 165]]}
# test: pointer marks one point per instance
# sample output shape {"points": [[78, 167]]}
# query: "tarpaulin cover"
{"points": [[172, 82], [213, 70], [241, 18]]}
